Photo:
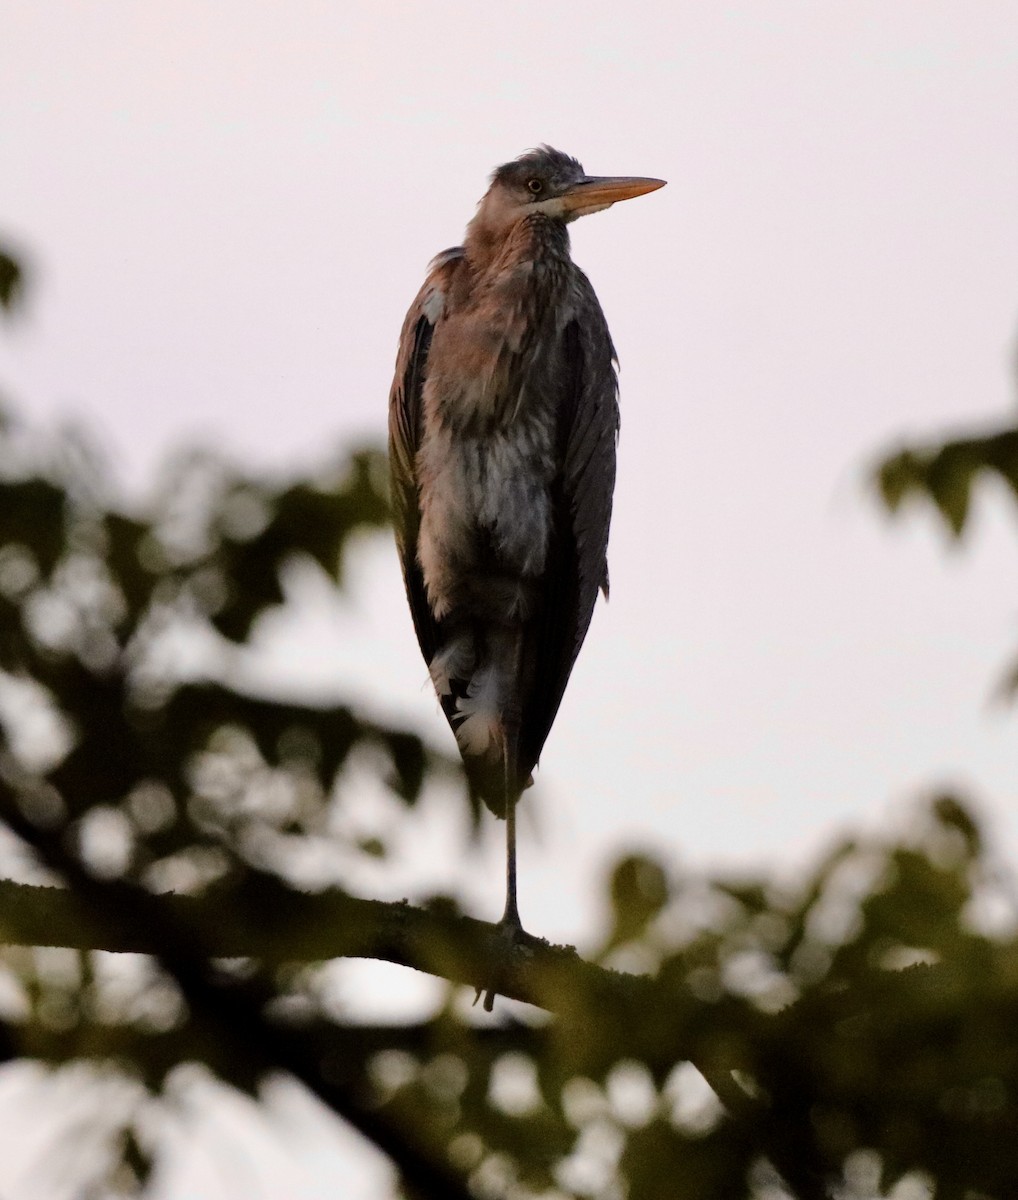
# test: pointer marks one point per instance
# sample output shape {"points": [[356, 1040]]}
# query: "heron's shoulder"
{"points": [[431, 299], [581, 286], [445, 258], [584, 306]]}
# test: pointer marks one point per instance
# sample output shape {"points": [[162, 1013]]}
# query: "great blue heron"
{"points": [[503, 418]]}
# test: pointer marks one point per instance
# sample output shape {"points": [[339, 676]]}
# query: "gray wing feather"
{"points": [[589, 467], [405, 435], [577, 563]]}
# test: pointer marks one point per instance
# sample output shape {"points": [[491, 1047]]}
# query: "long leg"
{"points": [[510, 776], [511, 916], [510, 922]]}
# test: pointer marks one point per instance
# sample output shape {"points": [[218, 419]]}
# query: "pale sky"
{"points": [[227, 210]]}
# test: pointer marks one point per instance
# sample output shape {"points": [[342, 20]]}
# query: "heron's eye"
{"points": [[536, 186]]}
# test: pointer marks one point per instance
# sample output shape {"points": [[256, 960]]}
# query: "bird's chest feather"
{"points": [[487, 457], [493, 355], [486, 499]]}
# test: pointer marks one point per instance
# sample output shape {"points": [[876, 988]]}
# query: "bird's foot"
{"points": [[510, 934]]}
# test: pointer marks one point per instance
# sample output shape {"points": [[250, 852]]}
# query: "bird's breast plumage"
{"points": [[487, 459], [486, 514]]}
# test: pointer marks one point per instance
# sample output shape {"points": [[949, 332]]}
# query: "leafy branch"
{"points": [[236, 1008]]}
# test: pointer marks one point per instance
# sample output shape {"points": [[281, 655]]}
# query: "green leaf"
{"points": [[639, 890], [11, 280]]}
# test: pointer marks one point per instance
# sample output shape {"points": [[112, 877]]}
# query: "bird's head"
{"points": [[545, 181]]}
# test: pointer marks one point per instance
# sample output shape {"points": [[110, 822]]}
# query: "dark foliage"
{"points": [[11, 279]]}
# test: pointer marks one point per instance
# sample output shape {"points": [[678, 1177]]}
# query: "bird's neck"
{"points": [[532, 238]]}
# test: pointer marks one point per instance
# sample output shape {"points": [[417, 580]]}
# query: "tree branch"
{"points": [[261, 918]]}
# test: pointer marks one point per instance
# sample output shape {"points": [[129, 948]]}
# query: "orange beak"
{"points": [[596, 192]]}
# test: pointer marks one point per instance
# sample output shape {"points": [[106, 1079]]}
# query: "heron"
{"points": [[503, 422]]}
